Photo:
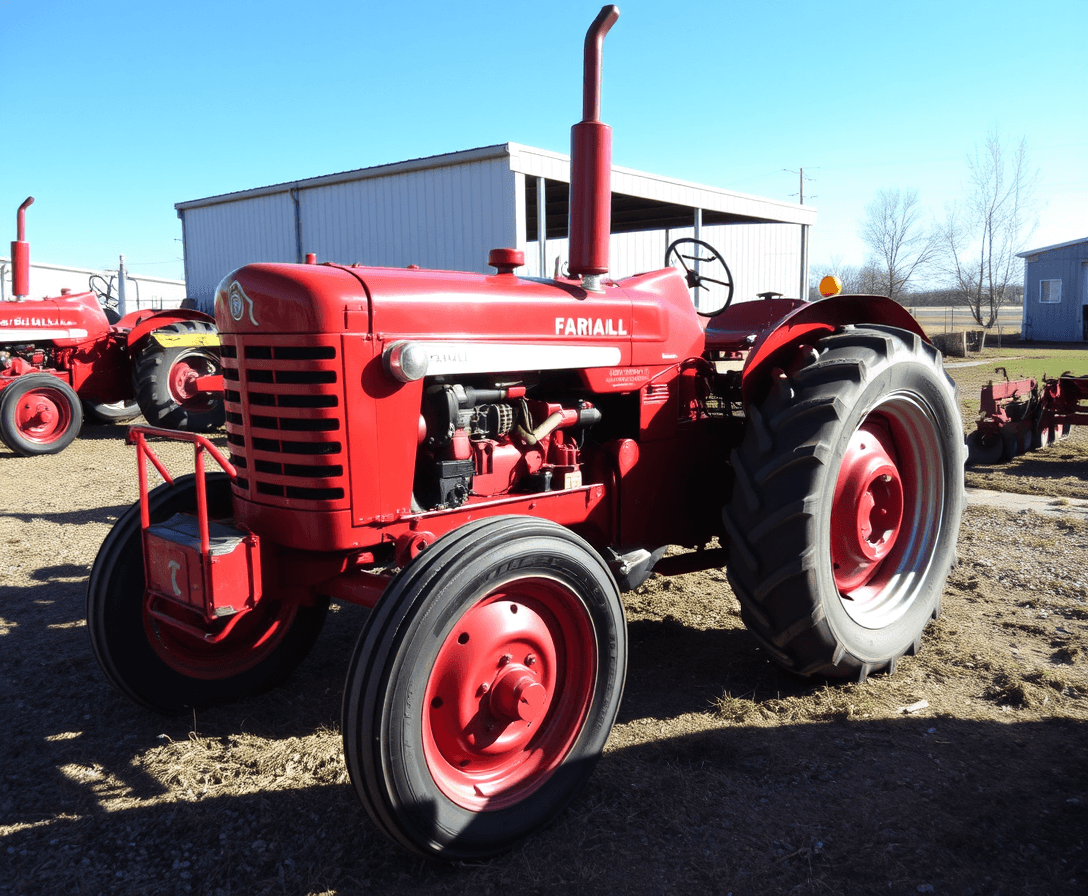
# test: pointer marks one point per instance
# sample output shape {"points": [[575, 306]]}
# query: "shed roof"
{"points": [[1025, 254], [640, 200]]}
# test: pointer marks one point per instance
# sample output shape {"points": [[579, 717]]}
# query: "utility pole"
{"points": [[800, 172]]}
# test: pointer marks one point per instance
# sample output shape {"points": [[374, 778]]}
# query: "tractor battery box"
{"points": [[174, 566]]}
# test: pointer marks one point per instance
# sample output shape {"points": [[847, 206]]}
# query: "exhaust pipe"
{"points": [[20, 254], [591, 167]]}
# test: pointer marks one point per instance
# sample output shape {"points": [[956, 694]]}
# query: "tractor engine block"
{"points": [[496, 441]]}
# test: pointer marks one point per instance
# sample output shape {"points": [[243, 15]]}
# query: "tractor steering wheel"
{"points": [[718, 287]]}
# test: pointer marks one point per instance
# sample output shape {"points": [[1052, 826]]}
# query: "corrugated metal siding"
{"points": [[445, 218], [1061, 321], [227, 235]]}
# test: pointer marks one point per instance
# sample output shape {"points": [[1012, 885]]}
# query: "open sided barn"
{"points": [[447, 212]]}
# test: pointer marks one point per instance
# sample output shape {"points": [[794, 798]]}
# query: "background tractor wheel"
{"points": [[165, 667], [847, 504], [164, 380], [113, 412], [39, 414], [484, 686]]}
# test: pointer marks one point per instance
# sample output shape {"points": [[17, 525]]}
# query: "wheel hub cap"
{"points": [[38, 417], [867, 511], [507, 695]]}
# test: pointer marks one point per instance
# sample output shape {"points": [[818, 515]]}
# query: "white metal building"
{"points": [[47, 280], [447, 212]]}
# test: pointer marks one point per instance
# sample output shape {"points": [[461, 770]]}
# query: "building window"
{"points": [[1050, 292]]}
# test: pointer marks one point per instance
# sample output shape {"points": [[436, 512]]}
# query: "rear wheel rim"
{"points": [[509, 693], [902, 442], [43, 415], [184, 373]]}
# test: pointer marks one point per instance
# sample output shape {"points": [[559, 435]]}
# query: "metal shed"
{"points": [[447, 212], [1056, 292]]}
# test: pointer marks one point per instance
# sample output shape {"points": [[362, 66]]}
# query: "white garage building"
{"points": [[447, 212]]}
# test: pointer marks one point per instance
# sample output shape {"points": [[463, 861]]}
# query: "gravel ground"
{"points": [[965, 772]]}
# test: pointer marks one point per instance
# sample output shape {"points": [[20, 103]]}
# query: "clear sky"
{"points": [[116, 110]]}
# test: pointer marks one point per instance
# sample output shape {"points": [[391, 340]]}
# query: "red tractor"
{"points": [[487, 462], [59, 355]]}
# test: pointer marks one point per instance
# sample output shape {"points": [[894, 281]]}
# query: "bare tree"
{"points": [[901, 245], [983, 233]]}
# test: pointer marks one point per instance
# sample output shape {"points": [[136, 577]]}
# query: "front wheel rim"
{"points": [[509, 693], [903, 443], [42, 416]]}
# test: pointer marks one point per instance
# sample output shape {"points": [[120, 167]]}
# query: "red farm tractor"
{"points": [[61, 355], [487, 461]]}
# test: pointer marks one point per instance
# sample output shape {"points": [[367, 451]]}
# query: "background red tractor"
{"points": [[63, 354], [487, 462]]}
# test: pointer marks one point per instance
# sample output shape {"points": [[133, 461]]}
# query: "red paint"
{"points": [[591, 162], [515, 660], [867, 510]]}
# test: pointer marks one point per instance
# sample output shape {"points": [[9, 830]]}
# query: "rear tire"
{"points": [[163, 668], [163, 380], [847, 504], [484, 686], [39, 414]]}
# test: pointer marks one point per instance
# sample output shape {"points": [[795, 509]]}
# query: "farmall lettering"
{"points": [[590, 326], [36, 322]]}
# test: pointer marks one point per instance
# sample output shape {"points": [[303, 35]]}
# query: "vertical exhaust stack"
{"points": [[591, 167], [20, 254]]}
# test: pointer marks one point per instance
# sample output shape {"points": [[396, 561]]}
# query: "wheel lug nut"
{"points": [[504, 659], [484, 688], [530, 660]]}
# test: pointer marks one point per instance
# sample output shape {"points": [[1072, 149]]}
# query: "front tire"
{"points": [[39, 414], [164, 380], [484, 686], [847, 504], [165, 667]]}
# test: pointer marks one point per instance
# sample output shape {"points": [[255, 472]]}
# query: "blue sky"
{"points": [[114, 111]]}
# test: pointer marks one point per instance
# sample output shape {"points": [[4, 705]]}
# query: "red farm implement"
{"points": [[61, 355], [488, 461], [1016, 416]]}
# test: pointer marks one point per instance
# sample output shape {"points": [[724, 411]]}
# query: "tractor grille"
{"points": [[285, 420]]}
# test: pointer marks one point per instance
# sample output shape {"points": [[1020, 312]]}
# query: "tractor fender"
{"points": [[775, 347], [143, 323]]}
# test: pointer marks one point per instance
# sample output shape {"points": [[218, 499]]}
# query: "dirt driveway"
{"points": [[965, 772]]}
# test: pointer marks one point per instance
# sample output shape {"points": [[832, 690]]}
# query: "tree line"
{"points": [[968, 258]]}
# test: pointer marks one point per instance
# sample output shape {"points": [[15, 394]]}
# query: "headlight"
{"points": [[406, 361]]}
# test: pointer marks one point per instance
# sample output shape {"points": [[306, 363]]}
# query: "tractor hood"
{"points": [[65, 320], [471, 323]]}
